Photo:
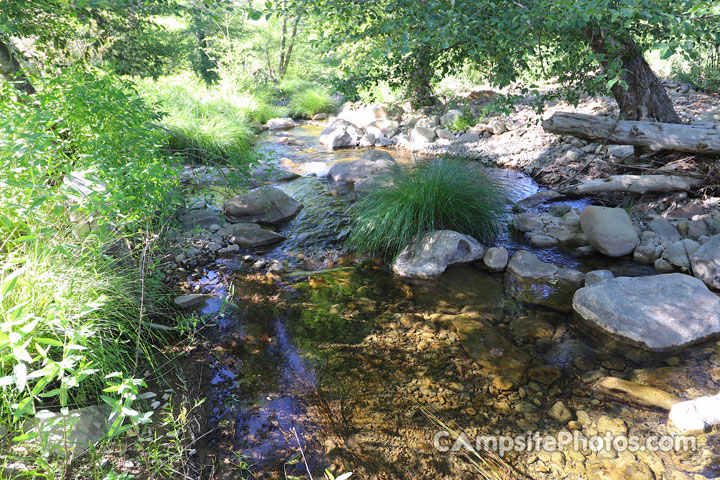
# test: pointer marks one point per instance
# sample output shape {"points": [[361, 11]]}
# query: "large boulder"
{"points": [[430, 255], [609, 230], [280, 124], [679, 253], [340, 133], [385, 128], [706, 262], [421, 134], [267, 205], [369, 167], [660, 313], [532, 281]]}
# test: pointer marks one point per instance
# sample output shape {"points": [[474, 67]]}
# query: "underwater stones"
{"points": [[559, 412], [609, 230], [266, 205], [659, 313], [544, 375], [430, 255], [487, 347], [529, 329]]}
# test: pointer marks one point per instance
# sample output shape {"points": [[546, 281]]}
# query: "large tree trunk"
{"points": [[645, 97], [419, 89], [701, 137], [10, 68]]}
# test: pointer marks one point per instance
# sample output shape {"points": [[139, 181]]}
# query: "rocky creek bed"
{"points": [[354, 359]]}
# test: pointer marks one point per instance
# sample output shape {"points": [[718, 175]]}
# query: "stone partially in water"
{"points": [[267, 205], [191, 301], [609, 230], [532, 281], [659, 313], [375, 165], [250, 235], [496, 259], [430, 255], [280, 123], [340, 133]]}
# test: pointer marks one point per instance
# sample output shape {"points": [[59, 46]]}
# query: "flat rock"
{"points": [[200, 219], [191, 301], [266, 173], [266, 205], [430, 255], [609, 230], [597, 276], [706, 262], [529, 280], [665, 230], [527, 222], [679, 253], [660, 313], [250, 235]]}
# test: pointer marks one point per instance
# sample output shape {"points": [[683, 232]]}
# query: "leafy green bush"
{"points": [[434, 195], [313, 100], [703, 72], [74, 304]]}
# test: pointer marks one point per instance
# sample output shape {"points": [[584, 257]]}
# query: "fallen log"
{"points": [[636, 393], [701, 137], [634, 184]]}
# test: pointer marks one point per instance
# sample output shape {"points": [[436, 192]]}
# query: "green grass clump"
{"points": [[462, 123], [436, 195], [291, 86], [311, 101]]}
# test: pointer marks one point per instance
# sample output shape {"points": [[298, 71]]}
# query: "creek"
{"points": [[345, 365]]}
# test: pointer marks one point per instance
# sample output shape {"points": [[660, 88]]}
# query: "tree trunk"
{"points": [[10, 68], [206, 65], [645, 97], [702, 137], [419, 88]]}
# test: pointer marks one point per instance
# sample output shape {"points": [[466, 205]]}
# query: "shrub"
{"points": [[313, 100], [434, 195]]}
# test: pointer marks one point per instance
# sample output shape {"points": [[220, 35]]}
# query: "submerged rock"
{"points": [[430, 255], [706, 262], [267, 205], [191, 301], [371, 167], [532, 281], [609, 230], [658, 313]]}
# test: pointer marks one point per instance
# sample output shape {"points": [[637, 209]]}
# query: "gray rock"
{"points": [[444, 134], [597, 276], [318, 117], [382, 142], [496, 259], [229, 249], [469, 137], [192, 301], [527, 222], [250, 235], [663, 266], [421, 134], [430, 255], [200, 219], [706, 262], [619, 152], [367, 140], [539, 240], [679, 253], [697, 229], [659, 313], [497, 127], [371, 165], [78, 431], [609, 230], [340, 133], [450, 117], [532, 281], [527, 265], [266, 205], [381, 128], [559, 209], [265, 173], [280, 124], [665, 230], [647, 254]]}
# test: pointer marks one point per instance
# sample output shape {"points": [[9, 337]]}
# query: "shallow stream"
{"points": [[356, 362]]}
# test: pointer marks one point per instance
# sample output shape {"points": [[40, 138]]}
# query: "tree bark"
{"points": [[10, 68], [644, 97], [419, 88], [635, 184], [702, 137]]}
